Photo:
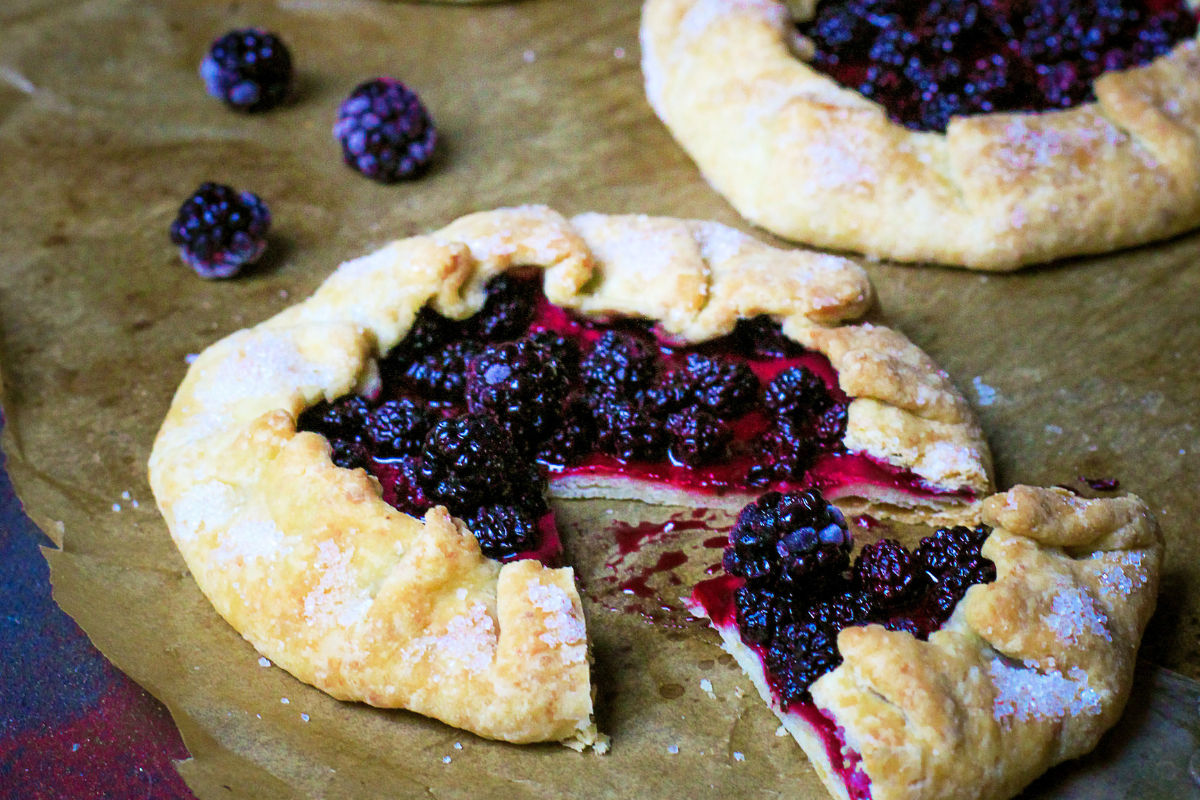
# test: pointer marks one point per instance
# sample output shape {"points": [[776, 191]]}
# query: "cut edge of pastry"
{"points": [[1046, 652], [312, 585]]}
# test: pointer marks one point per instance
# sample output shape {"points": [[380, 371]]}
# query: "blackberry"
{"points": [[625, 430], [573, 439], [467, 462], [349, 454], [887, 572], [250, 69], [508, 311], [407, 493], [385, 131], [799, 654], [398, 427], [948, 547], [563, 351], [344, 418], [443, 375], [520, 384], [619, 366], [797, 393], [429, 333], [760, 613], [843, 609], [503, 532], [829, 428], [795, 538], [219, 231], [726, 388], [697, 437], [761, 336]]}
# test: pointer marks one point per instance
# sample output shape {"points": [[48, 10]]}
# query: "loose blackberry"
{"points": [[508, 311], [697, 437], [219, 231], [250, 69], [343, 418], [443, 375], [797, 393], [385, 131], [887, 572], [796, 538], [619, 366], [726, 388], [521, 385], [627, 431], [503, 532], [398, 427], [573, 439], [467, 462]]}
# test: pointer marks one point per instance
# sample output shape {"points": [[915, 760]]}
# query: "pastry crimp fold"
{"points": [[309, 564], [1030, 670]]}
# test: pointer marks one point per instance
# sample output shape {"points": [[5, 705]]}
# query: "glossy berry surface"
{"points": [[520, 384], [220, 230], [796, 394], [627, 431], [249, 69], [725, 388], [886, 572], [398, 427], [442, 375], [467, 463], [697, 437], [385, 132], [797, 539], [619, 365], [507, 312], [503, 531], [926, 62]]}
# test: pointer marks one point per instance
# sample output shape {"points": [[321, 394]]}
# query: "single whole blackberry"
{"points": [[619, 365], [725, 388], [797, 393], [627, 431], [789, 447], [887, 572], [385, 131], [697, 437], [949, 547], [443, 375], [508, 311], [760, 613], [467, 463], [349, 454], [799, 654], [503, 532], [841, 609], [573, 439], [520, 384], [563, 351], [219, 231], [398, 427], [407, 493], [795, 538], [343, 418], [250, 69], [763, 337]]}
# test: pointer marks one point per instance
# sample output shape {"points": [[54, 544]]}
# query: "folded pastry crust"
{"points": [[1029, 671], [331, 583], [809, 160]]}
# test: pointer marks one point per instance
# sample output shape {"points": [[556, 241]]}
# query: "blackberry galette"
{"points": [[360, 484], [979, 133]]}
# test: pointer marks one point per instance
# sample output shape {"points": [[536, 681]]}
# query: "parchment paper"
{"points": [[1085, 368]]}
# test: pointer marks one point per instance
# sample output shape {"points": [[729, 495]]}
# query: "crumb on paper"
{"points": [[445, 759], [781, 731], [304, 717], [284, 700], [125, 495], [458, 745], [190, 358], [116, 506], [673, 749], [738, 756], [133, 504], [706, 687], [618, 52], [60, 526], [263, 661], [987, 395], [529, 56]]}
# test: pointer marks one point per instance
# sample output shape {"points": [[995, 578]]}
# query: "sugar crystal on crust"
{"points": [[336, 599], [563, 627], [1073, 613], [469, 641], [209, 505], [248, 539], [1025, 693]]}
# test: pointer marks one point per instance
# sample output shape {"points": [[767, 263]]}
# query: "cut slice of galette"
{"points": [[359, 484], [964, 667], [985, 134]]}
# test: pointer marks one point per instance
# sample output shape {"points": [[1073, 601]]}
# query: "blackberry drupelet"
{"points": [[564, 352], [219, 231], [398, 427], [619, 366], [385, 132], [503, 532], [697, 437], [250, 69], [467, 462]]}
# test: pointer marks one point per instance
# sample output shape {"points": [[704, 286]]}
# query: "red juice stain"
{"points": [[717, 541]]}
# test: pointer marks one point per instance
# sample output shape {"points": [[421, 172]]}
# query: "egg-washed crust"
{"points": [[1029, 671], [328, 581], [811, 161]]}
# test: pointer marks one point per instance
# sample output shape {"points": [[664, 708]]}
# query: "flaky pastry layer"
{"points": [[809, 160], [328, 581]]}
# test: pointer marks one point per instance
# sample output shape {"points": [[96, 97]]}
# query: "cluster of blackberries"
{"points": [[805, 421], [383, 128], [793, 553]]}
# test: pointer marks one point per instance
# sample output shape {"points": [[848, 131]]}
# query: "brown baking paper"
{"points": [[1086, 368]]}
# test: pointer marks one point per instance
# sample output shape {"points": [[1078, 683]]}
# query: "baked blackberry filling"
{"points": [[479, 414], [927, 62]]}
